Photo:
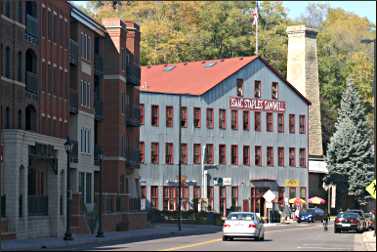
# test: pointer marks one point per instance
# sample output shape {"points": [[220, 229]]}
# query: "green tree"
{"points": [[350, 153]]}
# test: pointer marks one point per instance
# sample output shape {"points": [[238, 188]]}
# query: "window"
{"points": [[85, 46], [142, 152], [292, 157], [246, 120], [154, 154], [234, 196], [184, 117], [274, 90], [169, 198], [234, 155], [85, 140], [240, 87], [141, 108], [269, 122], [89, 188], [222, 119], [222, 199], [209, 154], [292, 123], [197, 192], [210, 193], [257, 89], [155, 116], [210, 118], [7, 8], [197, 154], [270, 156], [7, 62], [197, 118], [184, 154], [281, 156], [169, 117], [185, 197], [246, 155], [154, 196], [292, 192], [85, 94], [281, 123], [234, 119], [258, 156], [169, 153], [257, 121], [222, 154], [143, 192], [302, 157], [302, 124], [19, 68]]}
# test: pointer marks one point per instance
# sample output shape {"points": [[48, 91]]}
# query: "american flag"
{"points": [[254, 13]]}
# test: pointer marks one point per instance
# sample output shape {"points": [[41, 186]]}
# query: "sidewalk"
{"points": [[369, 240], [154, 232]]}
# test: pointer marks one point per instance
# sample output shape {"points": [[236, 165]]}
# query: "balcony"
{"points": [[31, 34], [99, 110], [133, 159], [133, 74], [73, 103], [38, 205], [74, 156], [133, 117], [98, 65], [73, 52], [32, 82]]}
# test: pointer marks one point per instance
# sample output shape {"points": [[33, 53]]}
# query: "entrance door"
{"points": [[245, 205]]}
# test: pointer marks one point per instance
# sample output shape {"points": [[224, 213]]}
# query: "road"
{"points": [[293, 237]]}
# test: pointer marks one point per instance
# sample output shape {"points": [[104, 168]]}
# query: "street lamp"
{"points": [[368, 41], [68, 148], [100, 232]]}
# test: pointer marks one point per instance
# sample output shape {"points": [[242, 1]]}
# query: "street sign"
{"points": [[227, 181], [269, 196], [371, 189]]}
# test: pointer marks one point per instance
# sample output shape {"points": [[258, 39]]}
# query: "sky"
{"points": [[296, 8]]}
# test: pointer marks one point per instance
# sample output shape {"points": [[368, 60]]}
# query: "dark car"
{"points": [[348, 221], [363, 221], [311, 215]]}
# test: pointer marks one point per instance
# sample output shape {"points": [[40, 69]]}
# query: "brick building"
{"points": [[252, 123], [63, 75]]}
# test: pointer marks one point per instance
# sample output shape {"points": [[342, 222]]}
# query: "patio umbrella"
{"points": [[316, 200], [296, 201]]}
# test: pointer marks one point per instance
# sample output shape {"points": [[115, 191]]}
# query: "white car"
{"points": [[243, 225]]}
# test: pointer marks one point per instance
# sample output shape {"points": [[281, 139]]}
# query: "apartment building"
{"points": [[56, 82], [244, 130]]}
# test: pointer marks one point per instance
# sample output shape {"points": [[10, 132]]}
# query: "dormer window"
{"points": [[274, 90], [257, 89], [240, 87]]}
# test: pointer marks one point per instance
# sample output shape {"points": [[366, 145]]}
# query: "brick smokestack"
{"points": [[302, 72], [133, 41]]}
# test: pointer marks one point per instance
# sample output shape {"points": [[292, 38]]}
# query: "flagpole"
{"points": [[256, 30]]}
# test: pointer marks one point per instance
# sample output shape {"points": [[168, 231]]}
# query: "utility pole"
{"points": [[179, 164]]}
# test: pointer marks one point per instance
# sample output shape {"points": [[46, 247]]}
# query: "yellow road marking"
{"points": [[191, 245]]}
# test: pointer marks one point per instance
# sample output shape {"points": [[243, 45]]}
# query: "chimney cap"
{"points": [[294, 29]]}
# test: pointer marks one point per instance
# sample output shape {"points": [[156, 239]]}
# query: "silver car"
{"points": [[243, 225]]}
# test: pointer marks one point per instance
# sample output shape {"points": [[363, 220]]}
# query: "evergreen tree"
{"points": [[350, 153]]}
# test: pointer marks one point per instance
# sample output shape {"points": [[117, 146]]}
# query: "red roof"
{"points": [[194, 78]]}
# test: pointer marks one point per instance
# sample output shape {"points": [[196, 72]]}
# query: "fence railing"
{"points": [[32, 82], [73, 52], [38, 205]]}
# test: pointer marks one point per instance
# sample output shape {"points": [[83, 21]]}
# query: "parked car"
{"points": [[311, 215], [243, 225], [362, 217], [370, 219], [348, 221]]}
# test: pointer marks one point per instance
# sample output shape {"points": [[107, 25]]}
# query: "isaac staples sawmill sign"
{"points": [[257, 104]]}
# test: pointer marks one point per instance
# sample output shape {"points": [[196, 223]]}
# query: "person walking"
{"points": [[325, 221]]}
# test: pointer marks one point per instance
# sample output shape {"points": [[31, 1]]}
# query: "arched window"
{"points": [[31, 18], [30, 118], [7, 62], [7, 118], [19, 119], [19, 68], [31, 79]]}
